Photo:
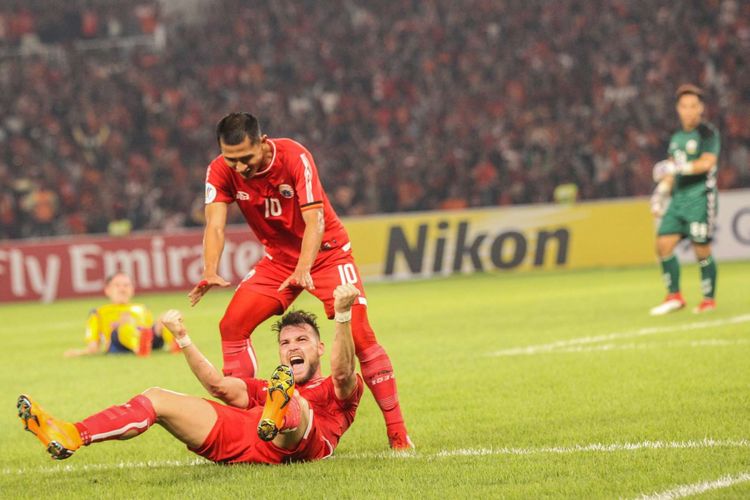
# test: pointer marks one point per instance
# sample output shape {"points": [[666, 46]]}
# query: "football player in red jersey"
{"points": [[297, 415], [276, 186]]}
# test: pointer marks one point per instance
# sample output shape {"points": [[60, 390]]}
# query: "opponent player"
{"points": [[262, 422], [689, 177], [121, 326], [275, 184]]}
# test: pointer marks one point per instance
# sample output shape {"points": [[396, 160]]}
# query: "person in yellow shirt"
{"points": [[123, 327]]}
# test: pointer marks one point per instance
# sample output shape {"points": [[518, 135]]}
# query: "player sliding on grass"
{"points": [[261, 422], [689, 177], [276, 186]]}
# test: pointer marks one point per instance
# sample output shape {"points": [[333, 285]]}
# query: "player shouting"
{"points": [[261, 422]]}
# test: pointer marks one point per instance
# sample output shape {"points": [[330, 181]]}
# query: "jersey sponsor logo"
{"points": [[241, 195], [210, 193], [286, 191], [691, 147]]}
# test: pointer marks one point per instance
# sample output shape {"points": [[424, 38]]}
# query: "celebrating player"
{"points": [[689, 177], [262, 422], [121, 326], [276, 186]]}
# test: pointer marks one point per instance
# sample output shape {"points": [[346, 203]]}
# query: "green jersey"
{"points": [[687, 146], [692, 211]]}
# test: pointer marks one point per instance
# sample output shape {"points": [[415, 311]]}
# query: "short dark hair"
{"points": [[296, 318], [689, 89], [234, 127], [112, 276]]}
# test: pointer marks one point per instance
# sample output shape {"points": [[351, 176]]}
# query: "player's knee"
{"points": [[231, 328], [156, 395]]}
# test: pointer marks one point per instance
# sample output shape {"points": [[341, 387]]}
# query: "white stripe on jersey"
{"points": [[308, 178]]}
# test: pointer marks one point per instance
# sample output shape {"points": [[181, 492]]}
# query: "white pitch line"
{"points": [[105, 467], [653, 345], [687, 490], [704, 443], [560, 450], [50, 326], [654, 330]]}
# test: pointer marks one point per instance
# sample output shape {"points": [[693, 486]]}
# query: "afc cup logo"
{"points": [[691, 147], [286, 191], [210, 193]]}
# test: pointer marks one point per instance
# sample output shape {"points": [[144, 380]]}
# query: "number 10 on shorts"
{"points": [[347, 273]]}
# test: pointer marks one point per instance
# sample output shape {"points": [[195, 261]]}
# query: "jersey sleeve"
{"points": [[353, 400], [218, 184], [306, 180], [92, 327]]}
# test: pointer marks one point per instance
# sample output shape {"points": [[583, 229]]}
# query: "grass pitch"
{"points": [[513, 385]]}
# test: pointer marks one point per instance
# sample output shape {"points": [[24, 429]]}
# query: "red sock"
{"points": [[137, 414], [378, 374], [245, 312], [377, 369]]}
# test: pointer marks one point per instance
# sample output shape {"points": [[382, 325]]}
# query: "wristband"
{"points": [[183, 342], [343, 317]]}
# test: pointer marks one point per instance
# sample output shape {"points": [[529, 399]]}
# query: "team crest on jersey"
{"points": [[691, 147], [210, 193], [286, 190], [241, 195]]}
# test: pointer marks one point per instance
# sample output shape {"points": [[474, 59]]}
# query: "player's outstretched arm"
{"points": [[231, 390], [703, 164], [315, 227], [213, 246], [91, 348], [342, 352]]}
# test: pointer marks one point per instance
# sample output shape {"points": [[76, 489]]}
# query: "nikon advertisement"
{"points": [[389, 247]]}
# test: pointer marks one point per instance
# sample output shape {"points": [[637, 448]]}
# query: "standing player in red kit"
{"points": [[276, 186]]}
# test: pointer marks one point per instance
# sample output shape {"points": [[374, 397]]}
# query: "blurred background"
{"points": [[108, 108]]}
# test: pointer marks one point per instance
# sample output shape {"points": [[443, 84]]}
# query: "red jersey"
{"points": [[273, 199], [331, 415]]}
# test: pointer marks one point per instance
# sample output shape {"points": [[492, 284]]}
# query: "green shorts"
{"points": [[693, 218]]}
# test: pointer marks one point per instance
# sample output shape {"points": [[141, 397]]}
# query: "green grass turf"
{"points": [[439, 333]]}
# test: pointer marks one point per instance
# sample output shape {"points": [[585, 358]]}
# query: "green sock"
{"points": [[708, 277], [670, 272]]}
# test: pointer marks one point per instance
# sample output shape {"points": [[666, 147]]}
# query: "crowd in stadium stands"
{"points": [[412, 105]]}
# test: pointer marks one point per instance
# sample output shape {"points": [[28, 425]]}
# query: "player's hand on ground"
{"points": [[300, 277], [172, 321], [344, 297], [664, 169], [197, 293]]}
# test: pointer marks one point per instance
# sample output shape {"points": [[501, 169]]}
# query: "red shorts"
{"points": [[234, 439], [332, 268]]}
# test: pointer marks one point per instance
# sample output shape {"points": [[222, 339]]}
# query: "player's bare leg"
{"points": [[188, 418], [708, 277], [665, 245]]}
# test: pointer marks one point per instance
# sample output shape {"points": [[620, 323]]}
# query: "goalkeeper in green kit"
{"points": [[688, 177]]}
